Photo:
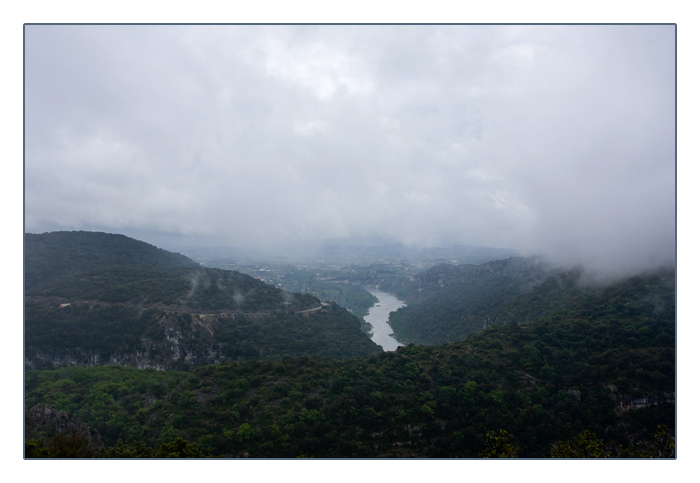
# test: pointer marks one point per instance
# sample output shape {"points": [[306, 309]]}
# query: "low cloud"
{"points": [[555, 139]]}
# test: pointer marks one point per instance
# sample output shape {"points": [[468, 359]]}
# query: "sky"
{"points": [[554, 139]]}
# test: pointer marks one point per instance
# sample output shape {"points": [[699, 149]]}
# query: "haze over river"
{"points": [[378, 318]]}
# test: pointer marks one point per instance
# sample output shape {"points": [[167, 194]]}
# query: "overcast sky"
{"points": [[559, 139]]}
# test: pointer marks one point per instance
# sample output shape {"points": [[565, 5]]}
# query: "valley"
{"points": [[147, 353]]}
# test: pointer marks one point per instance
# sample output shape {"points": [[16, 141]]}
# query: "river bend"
{"points": [[378, 318]]}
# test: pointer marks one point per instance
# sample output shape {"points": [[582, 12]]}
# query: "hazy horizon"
{"points": [[556, 139]]}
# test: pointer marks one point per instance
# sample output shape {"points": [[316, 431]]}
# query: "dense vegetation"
{"points": [[95, 298], [537, 362], [448, 303], [117, 269], [556, 387], [321, 281]]}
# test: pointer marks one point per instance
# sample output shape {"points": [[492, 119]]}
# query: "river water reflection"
{"points": [[378, 318]]}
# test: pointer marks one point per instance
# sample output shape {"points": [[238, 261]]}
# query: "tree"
{"points": [[585, 445], [245, 432], [34, 449], [499, 445], [180, 448], [662, 445], [139, 449]]}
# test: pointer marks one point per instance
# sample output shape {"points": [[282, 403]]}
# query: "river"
{"points": [[378, 318]]}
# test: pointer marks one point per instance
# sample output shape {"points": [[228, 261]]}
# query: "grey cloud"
{"points": [[552, 138]]}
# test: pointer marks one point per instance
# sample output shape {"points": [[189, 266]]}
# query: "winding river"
{"points": [[378, 318]]}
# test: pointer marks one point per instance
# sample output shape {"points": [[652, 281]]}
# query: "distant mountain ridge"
{"points": [[348, 253], [94, 298]]}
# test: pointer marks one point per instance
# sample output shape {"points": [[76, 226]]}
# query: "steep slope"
{"points": [[575, 370], [448, 303], [97, 298], [540, 385]]}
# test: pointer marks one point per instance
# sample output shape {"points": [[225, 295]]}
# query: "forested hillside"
{"points": [[97, 298], [558, 387], [541, 363], [117, 269], [449, 302]]}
